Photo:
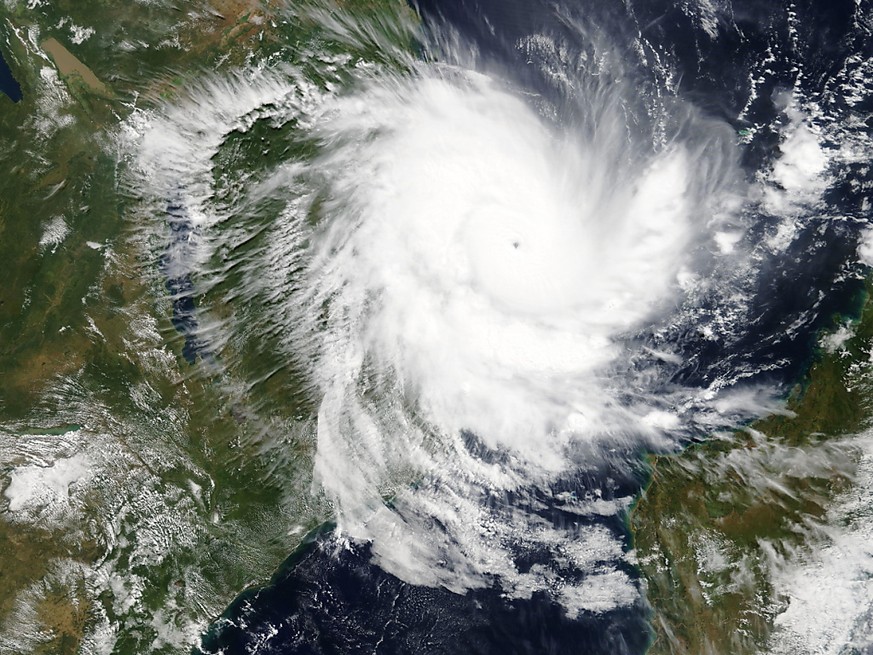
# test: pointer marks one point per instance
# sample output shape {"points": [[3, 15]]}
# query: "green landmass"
{"points": [[715, 517], [193, 488]]}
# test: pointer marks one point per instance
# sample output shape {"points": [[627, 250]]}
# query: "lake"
{"points": [[8, 84]]}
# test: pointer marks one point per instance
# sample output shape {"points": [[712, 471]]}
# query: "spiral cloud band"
{"points": [[475, 279], [466, 276]]}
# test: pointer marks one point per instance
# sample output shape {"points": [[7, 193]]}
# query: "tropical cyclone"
{"points": [[473, 291], [468, 304], [470, 281]]}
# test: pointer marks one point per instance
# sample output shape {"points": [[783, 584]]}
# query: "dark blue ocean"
{"points": [[322, 601], [329, 600]]}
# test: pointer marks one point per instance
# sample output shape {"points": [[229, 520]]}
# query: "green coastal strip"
{"points": [[177, 497], [715, 517]]}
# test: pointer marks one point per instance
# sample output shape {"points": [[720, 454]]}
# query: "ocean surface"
{"points": [[326, 600]]}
